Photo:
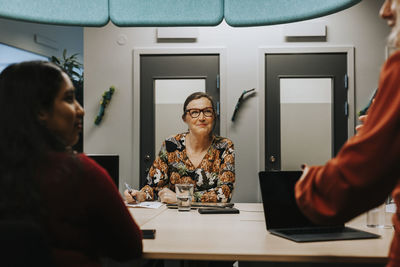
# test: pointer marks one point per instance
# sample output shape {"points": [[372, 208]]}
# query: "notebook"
{"points": [[283, 217]]}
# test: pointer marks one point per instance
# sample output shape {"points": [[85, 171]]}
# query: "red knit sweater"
{"points": [[85, 217]]}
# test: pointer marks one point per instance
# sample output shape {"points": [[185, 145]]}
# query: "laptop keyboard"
{"points": [[323, 230]]}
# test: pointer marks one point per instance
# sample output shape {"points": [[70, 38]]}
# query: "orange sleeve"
{"points": [[367, 167]]}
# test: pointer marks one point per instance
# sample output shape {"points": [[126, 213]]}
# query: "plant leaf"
{"points": [[55, 60]]}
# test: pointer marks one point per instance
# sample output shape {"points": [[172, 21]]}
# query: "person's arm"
{"points": [[157, 178], [366, 169], [115, 232], [225, 179]]}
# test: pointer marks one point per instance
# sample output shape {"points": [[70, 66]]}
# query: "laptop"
{"points": [[283, 217], [109, 162]]}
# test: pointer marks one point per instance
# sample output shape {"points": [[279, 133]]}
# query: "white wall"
{"points": [[21, 35], [109, 63]]}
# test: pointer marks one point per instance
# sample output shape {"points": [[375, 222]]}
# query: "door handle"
{"points": [[272, 159]]}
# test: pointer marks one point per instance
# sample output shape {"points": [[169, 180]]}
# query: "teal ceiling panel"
{"points": [[240, 13], [66, 12], [166, 12]]}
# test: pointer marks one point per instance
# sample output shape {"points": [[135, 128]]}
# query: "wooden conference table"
{"points": [[243, 237]]}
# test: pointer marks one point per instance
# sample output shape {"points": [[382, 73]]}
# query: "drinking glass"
{"points": [[381, 216], [184, 193]]}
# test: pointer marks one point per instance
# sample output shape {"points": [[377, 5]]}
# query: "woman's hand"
{"points": [[134, 196], [305, 169], [167, 196], [362, 119]]}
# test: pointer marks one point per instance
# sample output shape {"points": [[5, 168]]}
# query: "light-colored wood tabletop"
{"points": [[143, 215], [194, 236]]}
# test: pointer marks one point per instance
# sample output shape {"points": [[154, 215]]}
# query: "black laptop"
{"points": [[109, 162], [283, 217]]}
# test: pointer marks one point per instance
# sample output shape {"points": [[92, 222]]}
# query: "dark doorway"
{"points": [[291, 90], [165, 81]]}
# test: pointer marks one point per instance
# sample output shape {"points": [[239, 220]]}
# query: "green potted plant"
{"points": [[74, 69]]}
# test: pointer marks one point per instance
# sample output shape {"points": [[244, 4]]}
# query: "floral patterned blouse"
{"points": [[213, 180]]}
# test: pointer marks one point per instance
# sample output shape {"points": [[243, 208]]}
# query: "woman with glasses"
{"points": [[196, 157]]}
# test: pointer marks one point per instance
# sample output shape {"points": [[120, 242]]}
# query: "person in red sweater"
{"points": [[43, 181], [367, 168]]}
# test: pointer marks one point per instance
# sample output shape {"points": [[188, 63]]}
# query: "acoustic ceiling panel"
{"points": [[71, 12], [169, 12], [166, 12], [240, 13]]}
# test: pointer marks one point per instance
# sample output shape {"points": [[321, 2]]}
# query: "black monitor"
{"points": [[110, 162]]}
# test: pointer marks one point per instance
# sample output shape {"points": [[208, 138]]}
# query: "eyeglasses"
{"points": [[195, 112]]}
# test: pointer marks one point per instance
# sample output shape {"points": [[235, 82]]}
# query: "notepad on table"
{"points": [[146, 204]]}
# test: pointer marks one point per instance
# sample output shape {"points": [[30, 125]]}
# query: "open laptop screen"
{"points": [[280, 208], [284, 219], [108, 162]]}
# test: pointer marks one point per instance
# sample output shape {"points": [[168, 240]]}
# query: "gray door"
{"points": [[165, 82], [306, 108]]}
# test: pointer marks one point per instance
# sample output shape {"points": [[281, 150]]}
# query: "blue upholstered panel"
{"points": [[169, 12], [268, 12], [166, 12], [61, 12]]}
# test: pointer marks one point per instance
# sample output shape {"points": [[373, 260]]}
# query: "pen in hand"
{"points": [[130, 190]]}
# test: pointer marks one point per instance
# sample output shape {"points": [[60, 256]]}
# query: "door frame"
{"points": [[139, 51], [349, 50]]}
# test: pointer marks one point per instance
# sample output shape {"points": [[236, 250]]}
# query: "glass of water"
{"points": [[184, 193], [381, 216]]}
